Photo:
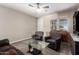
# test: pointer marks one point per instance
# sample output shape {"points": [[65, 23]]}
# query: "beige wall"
{"points": [[16, 26], [68, 14]]}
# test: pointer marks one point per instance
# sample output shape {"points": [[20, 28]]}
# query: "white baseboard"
{"points": [[19, 40]]}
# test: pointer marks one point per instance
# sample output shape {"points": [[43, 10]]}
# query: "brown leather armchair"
{"points": [[38, 35], [7, 49], [54, 41]]}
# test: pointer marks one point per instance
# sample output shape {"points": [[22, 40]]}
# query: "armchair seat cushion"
{"points": [[9, 52], [51, 41]]}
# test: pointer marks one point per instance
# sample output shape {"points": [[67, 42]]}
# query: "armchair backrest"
{"points": [[39, 33], [55, 35], [4, 42]]}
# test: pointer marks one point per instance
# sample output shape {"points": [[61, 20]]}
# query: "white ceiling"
{"points": [[54, 7]]}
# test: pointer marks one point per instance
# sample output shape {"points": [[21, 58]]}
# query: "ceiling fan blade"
{"points": [[31, 5], [46, 7]]}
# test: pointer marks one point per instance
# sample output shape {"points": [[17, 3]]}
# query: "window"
{"points": [[63, 24], [53, 24]]}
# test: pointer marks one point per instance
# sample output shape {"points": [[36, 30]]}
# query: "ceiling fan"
{"points": [[39, 5]]}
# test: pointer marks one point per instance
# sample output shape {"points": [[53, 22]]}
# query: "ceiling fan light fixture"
{"points": [[39, 10]]}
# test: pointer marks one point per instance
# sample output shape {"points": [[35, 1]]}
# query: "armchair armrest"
{"points": [[47, 37]]}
